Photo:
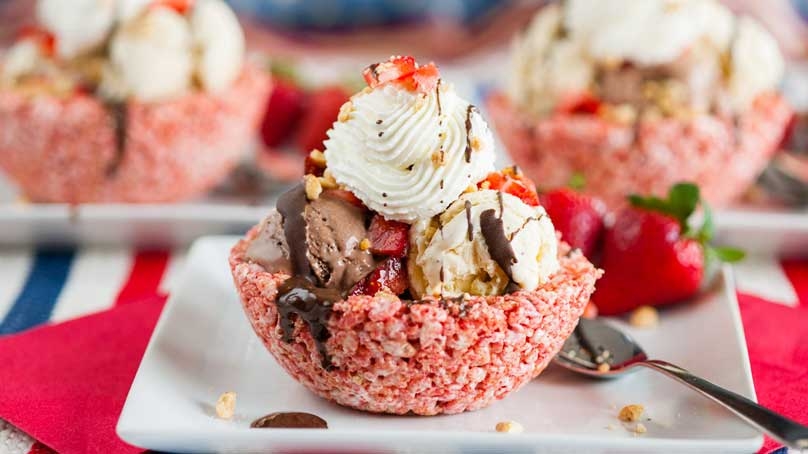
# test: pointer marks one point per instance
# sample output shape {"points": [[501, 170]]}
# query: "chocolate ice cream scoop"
{"points": [[269, 248], [321, 236], [334, 229]]}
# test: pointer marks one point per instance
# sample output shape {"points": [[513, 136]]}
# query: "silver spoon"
{"points": [[599, 350]]}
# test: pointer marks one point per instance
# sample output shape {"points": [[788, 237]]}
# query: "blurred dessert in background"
{"points": [[127, 100], [636, 95], [405, 275]]}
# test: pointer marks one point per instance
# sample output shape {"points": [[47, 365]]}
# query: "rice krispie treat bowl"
{"points": [[425, 357], [144, 102], [721, 156], [597, 92], [79, 150]]}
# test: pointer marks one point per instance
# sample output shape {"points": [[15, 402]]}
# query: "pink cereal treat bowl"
{"points": [[427, 357], [77, 150], [723, 157]]}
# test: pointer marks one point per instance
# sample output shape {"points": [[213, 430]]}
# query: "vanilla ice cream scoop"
{"points": [[220, 43], [151, 57], [486, 243], [407, 154], [77, 25]]}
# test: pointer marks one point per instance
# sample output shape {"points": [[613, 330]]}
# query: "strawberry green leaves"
{"points": [[682, 201]]}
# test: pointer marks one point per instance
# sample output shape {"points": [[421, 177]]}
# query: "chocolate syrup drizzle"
{"points": [[299, 295], [118, 112], [437, 96], [499, 247], [313, 305], [469, 111], [469, 225]]}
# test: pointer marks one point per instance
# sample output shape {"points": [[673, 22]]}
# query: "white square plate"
{"points": [[203, 345]]}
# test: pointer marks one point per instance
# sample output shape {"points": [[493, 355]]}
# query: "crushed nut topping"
{"points": [[644, 317], [226, 405], [312, 186], [631, 413], [318, 157], [511, 427], [345, 112], [327, 181]]}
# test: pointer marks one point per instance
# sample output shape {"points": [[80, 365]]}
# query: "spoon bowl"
{"points": [[597, 349]]}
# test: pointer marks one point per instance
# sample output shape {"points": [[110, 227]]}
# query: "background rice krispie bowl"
{"points": [[77, 149]]}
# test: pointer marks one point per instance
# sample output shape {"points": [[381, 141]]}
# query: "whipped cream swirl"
{"points": [[408, 155]]}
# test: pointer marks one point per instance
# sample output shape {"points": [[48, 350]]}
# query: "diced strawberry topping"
{"points": [[319, 116], [403, 70], [388, 237], [584, 103], [284, 110], [180, 6], [345, 195], [426, 77], [45, 39], [390, 275], [396, 68], [513, 182]]}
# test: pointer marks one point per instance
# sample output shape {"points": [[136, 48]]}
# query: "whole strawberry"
{"points": [[578, 217], [284, 109], [652, 257], [322, 109]]}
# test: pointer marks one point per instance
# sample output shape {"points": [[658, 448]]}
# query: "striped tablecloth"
{"points": [[39, 286], [42, 286]]}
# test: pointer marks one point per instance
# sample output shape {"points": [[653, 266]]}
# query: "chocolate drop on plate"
{"points": [[290, 420]]}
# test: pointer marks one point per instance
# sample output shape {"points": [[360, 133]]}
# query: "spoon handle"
{"points": [[782, 429]]}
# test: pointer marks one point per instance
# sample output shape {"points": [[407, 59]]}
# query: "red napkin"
{"points": [[777, 338], [65, 384]]}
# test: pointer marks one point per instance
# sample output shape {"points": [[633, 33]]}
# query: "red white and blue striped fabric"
{"points": [[39, 286]]}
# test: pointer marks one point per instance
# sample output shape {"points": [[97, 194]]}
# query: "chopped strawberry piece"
{"points": [[578, 217], [405, 71], [284, 110], [513, 182], [396, 68], [426, 77], [180, 6], [390, 275], [45, 39], [523, 189], [345, 195], [319, 116], [388, 237], [584, 103]]}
